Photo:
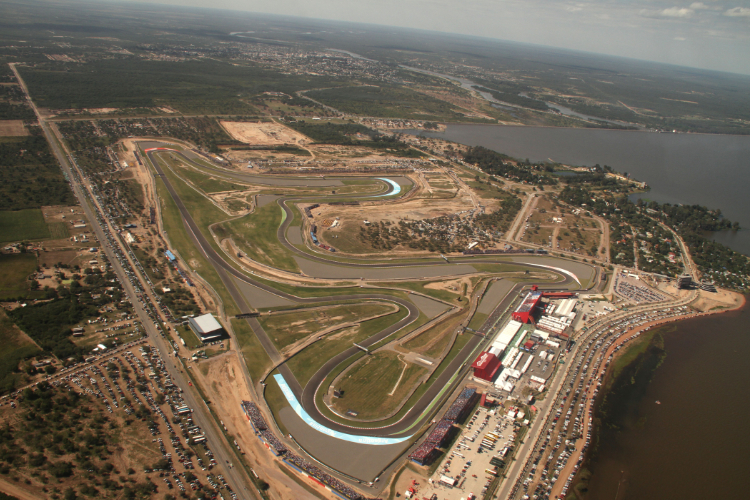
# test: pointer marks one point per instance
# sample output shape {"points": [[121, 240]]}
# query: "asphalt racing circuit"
{"points": [[358, 453]]}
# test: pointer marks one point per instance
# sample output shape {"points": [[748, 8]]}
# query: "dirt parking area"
{"points": [[222, 377], [263, 133]]}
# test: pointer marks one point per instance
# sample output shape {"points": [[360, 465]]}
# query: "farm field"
{"points": [[22, 225], [14, 270], [17, 346], [12, 128]]}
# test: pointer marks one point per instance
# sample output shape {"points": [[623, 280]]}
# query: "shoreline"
{"points": [[648, 131], [591, 402]]}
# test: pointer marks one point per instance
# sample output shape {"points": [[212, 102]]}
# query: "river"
{"points": [[711, 170], [695, 443]]}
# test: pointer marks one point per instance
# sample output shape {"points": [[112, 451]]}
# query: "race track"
{"points": [[250, 294]]}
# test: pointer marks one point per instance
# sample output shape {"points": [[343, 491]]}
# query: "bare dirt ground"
{"points": [[222, 377], [455, 285], [266, 134], [723, 299], [12, 128]]}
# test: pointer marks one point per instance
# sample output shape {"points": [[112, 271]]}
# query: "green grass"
{"points": [[208, 183], [23, 225], [477, 321], [288, 328], [368, 384], [58, 230], [14, 271], [179, 238], [256, 359], [255, 235], [186, 334], [306, 363], [16, 347], [459, 344], [276, 401]]}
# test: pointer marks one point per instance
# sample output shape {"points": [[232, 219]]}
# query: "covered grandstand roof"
{"points": [[206, 326]]}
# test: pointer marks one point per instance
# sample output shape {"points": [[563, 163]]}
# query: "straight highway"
{"points": [[201, 414]]}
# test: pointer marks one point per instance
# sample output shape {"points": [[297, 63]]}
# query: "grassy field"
{"points": [[23, 225], [305, 364], [207, 183], [186, 334], [477, 321], [17, 346], [276, 400], [14, 271], [459, 344], [370, 386], [178, 236], [58, 230], [286, 329], [255, 357], [255, 234]]}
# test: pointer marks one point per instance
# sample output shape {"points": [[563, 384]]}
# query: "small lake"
{"points": [[711, 170]]}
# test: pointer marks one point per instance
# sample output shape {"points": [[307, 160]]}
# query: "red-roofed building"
{"points": [[486, 366], [523, 313]]}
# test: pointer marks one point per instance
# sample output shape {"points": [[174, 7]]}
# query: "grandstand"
{"points": [[526, 309], [298, 463]]}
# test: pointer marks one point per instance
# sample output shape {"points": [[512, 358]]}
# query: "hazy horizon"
{"points": [[713, 35]]}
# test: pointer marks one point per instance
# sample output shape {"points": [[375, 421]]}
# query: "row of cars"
{"points": [[555, 446]]}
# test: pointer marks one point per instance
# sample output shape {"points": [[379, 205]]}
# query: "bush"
{"points": [[61, 469]]}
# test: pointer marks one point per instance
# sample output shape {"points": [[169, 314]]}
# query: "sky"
{"points": [[712, 34]]}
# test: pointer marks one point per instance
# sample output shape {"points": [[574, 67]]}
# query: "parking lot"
{"points": [[488, 434]]}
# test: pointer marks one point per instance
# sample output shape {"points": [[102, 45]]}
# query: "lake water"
{"points": [[695, 443], [711, 170]]}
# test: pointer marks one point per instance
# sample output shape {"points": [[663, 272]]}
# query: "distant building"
{"points": [[206, 327]]}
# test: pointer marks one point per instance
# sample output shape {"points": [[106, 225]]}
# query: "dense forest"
{"points": [[494, 163], [354, 134], [196, 86]]}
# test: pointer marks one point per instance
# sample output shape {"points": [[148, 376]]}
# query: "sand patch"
{"points": [[263, 134]]}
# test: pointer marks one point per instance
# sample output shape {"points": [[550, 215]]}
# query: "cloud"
{"points": [[680, 38], [573, 8], [678, 12], [738, 12], [699, 6], [670, 12]]}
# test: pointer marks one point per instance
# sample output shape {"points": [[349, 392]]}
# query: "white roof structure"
{"points": [[566, 307], [206, 326], [507, 333]]}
